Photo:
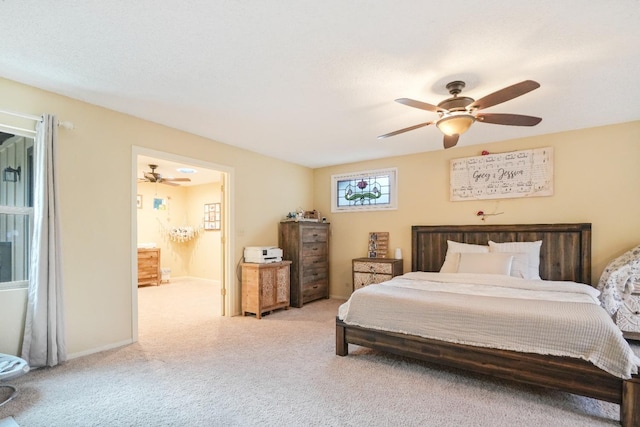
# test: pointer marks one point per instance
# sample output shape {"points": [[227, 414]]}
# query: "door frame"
{"points": [[228, 290]]}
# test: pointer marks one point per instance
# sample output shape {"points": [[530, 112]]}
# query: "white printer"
{"points": [[262, 254]]}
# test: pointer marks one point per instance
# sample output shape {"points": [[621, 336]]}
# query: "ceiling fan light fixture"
{"points": [[455, 124]]}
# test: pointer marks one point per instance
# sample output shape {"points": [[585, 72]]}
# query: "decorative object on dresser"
{"points": [[619, 287], [378, 245], [368, 271], [148, 266], [265, 287], [306, 244]]}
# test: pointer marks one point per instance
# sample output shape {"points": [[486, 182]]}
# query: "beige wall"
{"points": [[199, 257], [96, 203], [596, 180], [206, 256]]}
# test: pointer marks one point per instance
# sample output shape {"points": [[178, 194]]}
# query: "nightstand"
{"points": [[367, 271]]}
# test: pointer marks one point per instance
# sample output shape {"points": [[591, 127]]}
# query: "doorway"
{"points": [[168, 213]]}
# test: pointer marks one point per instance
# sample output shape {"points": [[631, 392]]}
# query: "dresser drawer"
{"points": [[314, 249], [148, 256], [315, 290], [314, 274], [314, 234], [314, 262]]}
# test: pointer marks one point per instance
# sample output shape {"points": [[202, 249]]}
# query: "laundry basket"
{"points": [[165, 275]]}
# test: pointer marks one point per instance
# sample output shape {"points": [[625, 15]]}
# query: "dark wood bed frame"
{"points": [[565, 255]]}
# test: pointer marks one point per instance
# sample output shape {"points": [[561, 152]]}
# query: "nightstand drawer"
{"points": [[361, 280], [373, 267]]}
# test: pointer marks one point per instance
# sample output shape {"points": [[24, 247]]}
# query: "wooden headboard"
{"points": [[565, 253]]}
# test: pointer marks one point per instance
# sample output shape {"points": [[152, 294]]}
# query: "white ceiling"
{"points": [[313, 82]]}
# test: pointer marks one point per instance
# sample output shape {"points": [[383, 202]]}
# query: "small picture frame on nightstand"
{"points": [[378, 245]]}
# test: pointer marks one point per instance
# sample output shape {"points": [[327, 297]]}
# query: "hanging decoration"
{"points": [[181, 234]]}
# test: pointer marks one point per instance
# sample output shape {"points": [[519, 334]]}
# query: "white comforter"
{"points": [[533, 316]]}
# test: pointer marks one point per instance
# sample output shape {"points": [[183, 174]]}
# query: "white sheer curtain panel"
{"points": [[44, 341]]}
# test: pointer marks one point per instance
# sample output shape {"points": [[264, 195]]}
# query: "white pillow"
{"points": [[454, 249], [485, 263], [526, 262]]}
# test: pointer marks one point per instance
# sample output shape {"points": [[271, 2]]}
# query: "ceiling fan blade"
{"points": [[177, 179], [508, 119], [505, 94], [386, 135], [419, 104], [149, 176], [451, 141]]}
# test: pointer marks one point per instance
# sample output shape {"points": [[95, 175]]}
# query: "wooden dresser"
{"points": [[265, 287], [306, 244], [148, 266], [367, 271]]}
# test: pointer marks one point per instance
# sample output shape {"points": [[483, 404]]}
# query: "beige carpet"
{"points": [[193, 368]]}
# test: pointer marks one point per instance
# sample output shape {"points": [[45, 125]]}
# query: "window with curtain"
{"points": [[16, 209]]}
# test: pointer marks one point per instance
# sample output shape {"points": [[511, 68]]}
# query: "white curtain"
{"points": [[44, 341]]}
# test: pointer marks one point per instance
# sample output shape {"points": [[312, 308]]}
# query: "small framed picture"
{"points": [[159, 204], [139, 201], [212, 216]]}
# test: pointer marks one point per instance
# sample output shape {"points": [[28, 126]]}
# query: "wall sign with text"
{"points": [[526, 173]]}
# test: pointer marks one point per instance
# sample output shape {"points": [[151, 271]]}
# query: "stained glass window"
{"points": [[367, 190]]}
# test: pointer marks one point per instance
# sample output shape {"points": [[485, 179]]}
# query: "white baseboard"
{"points": [[99, 349], [195, 279]]}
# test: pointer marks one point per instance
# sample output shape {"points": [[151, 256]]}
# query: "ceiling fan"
{"points": [[154, 176], [457, 114]]}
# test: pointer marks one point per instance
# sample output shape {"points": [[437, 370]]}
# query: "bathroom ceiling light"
{"points": [[186, 170]]}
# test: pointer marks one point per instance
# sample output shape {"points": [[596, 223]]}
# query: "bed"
{"points": [[565, 255]]}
